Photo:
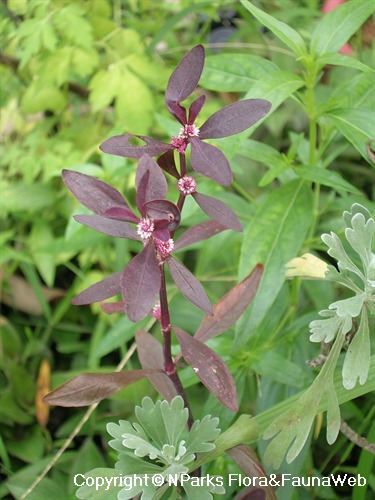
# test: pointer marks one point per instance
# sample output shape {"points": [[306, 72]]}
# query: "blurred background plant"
{"points": [[76, 72]]}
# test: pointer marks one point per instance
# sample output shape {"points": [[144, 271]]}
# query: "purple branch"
{"points": [[169, 365]]}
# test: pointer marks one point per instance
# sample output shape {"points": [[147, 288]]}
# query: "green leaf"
{"points": [[269, 363], [357, 359], [134, 103], [285, 33], [30, 447], [340, 60], [326, 177], [336, 27], [357, 125], [356, 92], [333, 413], [104, 87], [40, 236], [42, 97], [234, 72], [87, 457], [96, 492], [273, 237]]}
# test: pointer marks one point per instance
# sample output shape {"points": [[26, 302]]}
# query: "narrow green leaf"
{"points": [[357, 125], [234, 72], [336, 27], [327, 178], [285, 33], [340, 60], [274, 237]]}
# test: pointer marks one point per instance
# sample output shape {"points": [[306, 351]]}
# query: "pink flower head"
{"points": [[156, 311], [145, 228], [164, 248], [187, 185]]}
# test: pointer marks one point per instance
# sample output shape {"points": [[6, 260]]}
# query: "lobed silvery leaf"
{"points": [[150, 417], [175, 417], [351, 306], [357, 359], [324, 330], [337, 251], [361, 236], [356, 208], [201, 433], [140, 445], [333, 412]]}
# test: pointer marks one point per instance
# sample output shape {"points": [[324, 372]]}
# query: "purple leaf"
{"points": [[252, 493], [167, 163], [90, 388], [96, 195], [113, 307], [140, 283], [141, 193], [230, 307], [150, 354], [184, 80], [188, 285], [210, 161], [209, 368], [157, 186], [119, 213], [161, 234], [116, 228], [102, 290], [164, 210], [195, 108], [218, 211], [120, 145], [199, 232], [234, 118], [249, 463]]}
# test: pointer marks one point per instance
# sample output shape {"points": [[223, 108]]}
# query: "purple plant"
{"points": [[143, 279]]}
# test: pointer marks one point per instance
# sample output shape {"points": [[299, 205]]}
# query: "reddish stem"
{"points": [[169, 364]]}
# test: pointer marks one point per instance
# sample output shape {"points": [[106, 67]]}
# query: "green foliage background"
{"points": [[76, 72]]}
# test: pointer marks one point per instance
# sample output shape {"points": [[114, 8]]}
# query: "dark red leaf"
{"points": [[218, 211], [116, 228], [161, 234], [195, 108], [210, 161], [113, 307], [251, 493], [104, 289], [164, 210], [234, 118], [188, 285], [120, 213], [230, 307], [167, 163], [209, 368], [141, 192], [199, 232], [96, 195], [157, 186], [249, 463], [90, 388], [184, 80], [150, 354], [120, 145], [140, 283]]}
